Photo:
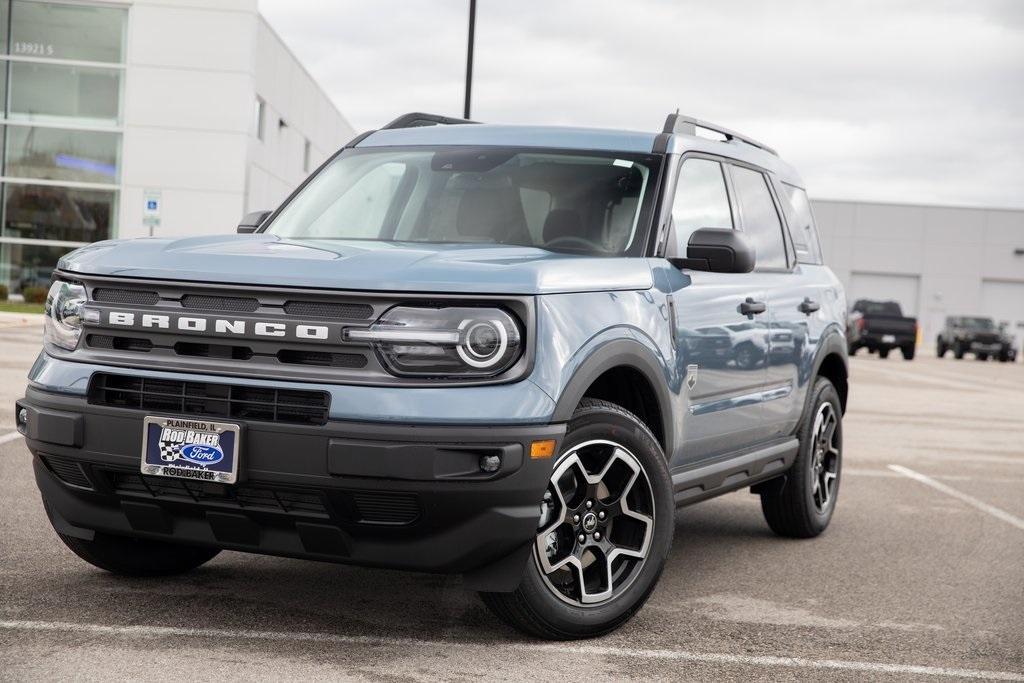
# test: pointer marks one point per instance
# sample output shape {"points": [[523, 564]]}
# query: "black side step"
{"points": [[703, 481]]}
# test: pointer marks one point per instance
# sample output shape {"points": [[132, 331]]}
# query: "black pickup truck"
{"points": [[980, 336], [880, 326]]}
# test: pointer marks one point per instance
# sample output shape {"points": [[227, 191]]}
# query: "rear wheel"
{"points": [[883, 353], [801, 506], [138, 556], [982, 356], [958, 350], [605, 530], [907, 351]]}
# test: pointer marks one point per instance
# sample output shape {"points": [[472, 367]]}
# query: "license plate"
{"points": [[190, 449], [888, 338]]}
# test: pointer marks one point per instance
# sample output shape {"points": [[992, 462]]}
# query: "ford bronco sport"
{"points": [[500, 351]]}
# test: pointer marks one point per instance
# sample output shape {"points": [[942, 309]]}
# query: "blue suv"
{"points": [[506, 352]]}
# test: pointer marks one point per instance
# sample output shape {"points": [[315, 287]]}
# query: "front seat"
{"points": [[487, 214]]}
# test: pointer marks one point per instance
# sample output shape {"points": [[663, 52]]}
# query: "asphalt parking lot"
{"points": [[920, 576]]}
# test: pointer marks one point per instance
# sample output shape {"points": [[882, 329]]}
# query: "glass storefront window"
{"points": [[44, 212], [55, 92], [56, 154], [64, 31], [28, 265]]}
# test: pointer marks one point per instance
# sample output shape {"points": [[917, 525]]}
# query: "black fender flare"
{"points": [[832, 343], [620, 353]]}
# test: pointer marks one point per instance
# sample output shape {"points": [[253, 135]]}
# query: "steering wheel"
{"points": [[574, 243]]}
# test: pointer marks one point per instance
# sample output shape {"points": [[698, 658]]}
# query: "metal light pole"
{"points": [[469, 58]]}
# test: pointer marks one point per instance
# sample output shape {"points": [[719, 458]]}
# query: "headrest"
{"points": [[482, 213]]}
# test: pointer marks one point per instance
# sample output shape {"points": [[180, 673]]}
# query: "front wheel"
{"points": [[940, 348], [802, 505], [604, 532]]}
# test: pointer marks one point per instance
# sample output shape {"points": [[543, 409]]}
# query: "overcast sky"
{"points": [[910, 101]]}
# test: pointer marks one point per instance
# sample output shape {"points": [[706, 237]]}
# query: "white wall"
{"points": [[291, 95], [193, 71], [951, 251], [188, 84]]}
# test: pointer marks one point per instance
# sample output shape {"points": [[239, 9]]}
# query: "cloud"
{"points": [[914, 101]]}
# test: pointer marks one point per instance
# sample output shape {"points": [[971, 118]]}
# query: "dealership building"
{"points": [[151, 117], [936, 261], [175, 117]]}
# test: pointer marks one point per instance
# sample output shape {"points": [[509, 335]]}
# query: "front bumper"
{"points": [[396, 496]]}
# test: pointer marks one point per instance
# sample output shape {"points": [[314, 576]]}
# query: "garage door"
{"points": [[899, 288], [1004, 302]]}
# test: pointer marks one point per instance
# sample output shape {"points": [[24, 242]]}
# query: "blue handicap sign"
{"points": [[150, 205]]}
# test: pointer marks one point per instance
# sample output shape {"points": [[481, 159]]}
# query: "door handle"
{"points": [[752, 308], [808, 306]]}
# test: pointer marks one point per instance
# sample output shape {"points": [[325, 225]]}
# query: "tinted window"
{"points": [[801, 224], [884, 308], [701, 200], [760, 219]]}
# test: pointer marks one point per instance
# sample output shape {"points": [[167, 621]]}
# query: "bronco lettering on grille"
{"points": [[218, 325]]}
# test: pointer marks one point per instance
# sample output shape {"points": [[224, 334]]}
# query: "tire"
{"points": [[958, 351], [981, 356], [138, 556], [550, 604], [908, 351], [940, 349], [852, 350], [883, 353], [794, 508]]}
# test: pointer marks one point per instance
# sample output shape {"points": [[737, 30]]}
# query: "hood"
{"points": [[358, 265]]}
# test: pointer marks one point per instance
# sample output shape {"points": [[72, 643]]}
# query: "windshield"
{"points": [[578, 202], [977, 323]]}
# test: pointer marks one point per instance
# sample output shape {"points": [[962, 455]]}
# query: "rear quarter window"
{"points": [[801, 224]]}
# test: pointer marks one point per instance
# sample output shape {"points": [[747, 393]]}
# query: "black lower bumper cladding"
{"points": [[396, 496]]}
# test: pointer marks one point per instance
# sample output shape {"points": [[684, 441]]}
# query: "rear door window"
{"points": [[760, 219], [701, 200]]}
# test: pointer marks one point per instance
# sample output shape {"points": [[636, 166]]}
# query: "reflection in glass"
{"points": [[55, 154], [65, 31], [28, 265], [58, 213], [55, 92]]}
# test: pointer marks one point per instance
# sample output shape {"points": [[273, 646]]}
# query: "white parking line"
{"points": [[157, 632], [970, 500], [10, 436]]}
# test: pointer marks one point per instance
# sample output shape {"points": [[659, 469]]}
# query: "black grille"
{"points": [[219, 303], [213, 351], [67, 470], [331, 360], [386, 507], [106, 341], [295, 501], [139, 297], [324, 309], [210, 399]]}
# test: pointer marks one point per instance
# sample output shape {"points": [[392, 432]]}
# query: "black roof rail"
{"points": [[418, 118], [687, 125]]}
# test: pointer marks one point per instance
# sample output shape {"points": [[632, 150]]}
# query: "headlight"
{"points": [[62, 325], [456, 341]]}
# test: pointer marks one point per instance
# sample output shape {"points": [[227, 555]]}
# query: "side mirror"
{"points": [[718, 250], [251, 221]]}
